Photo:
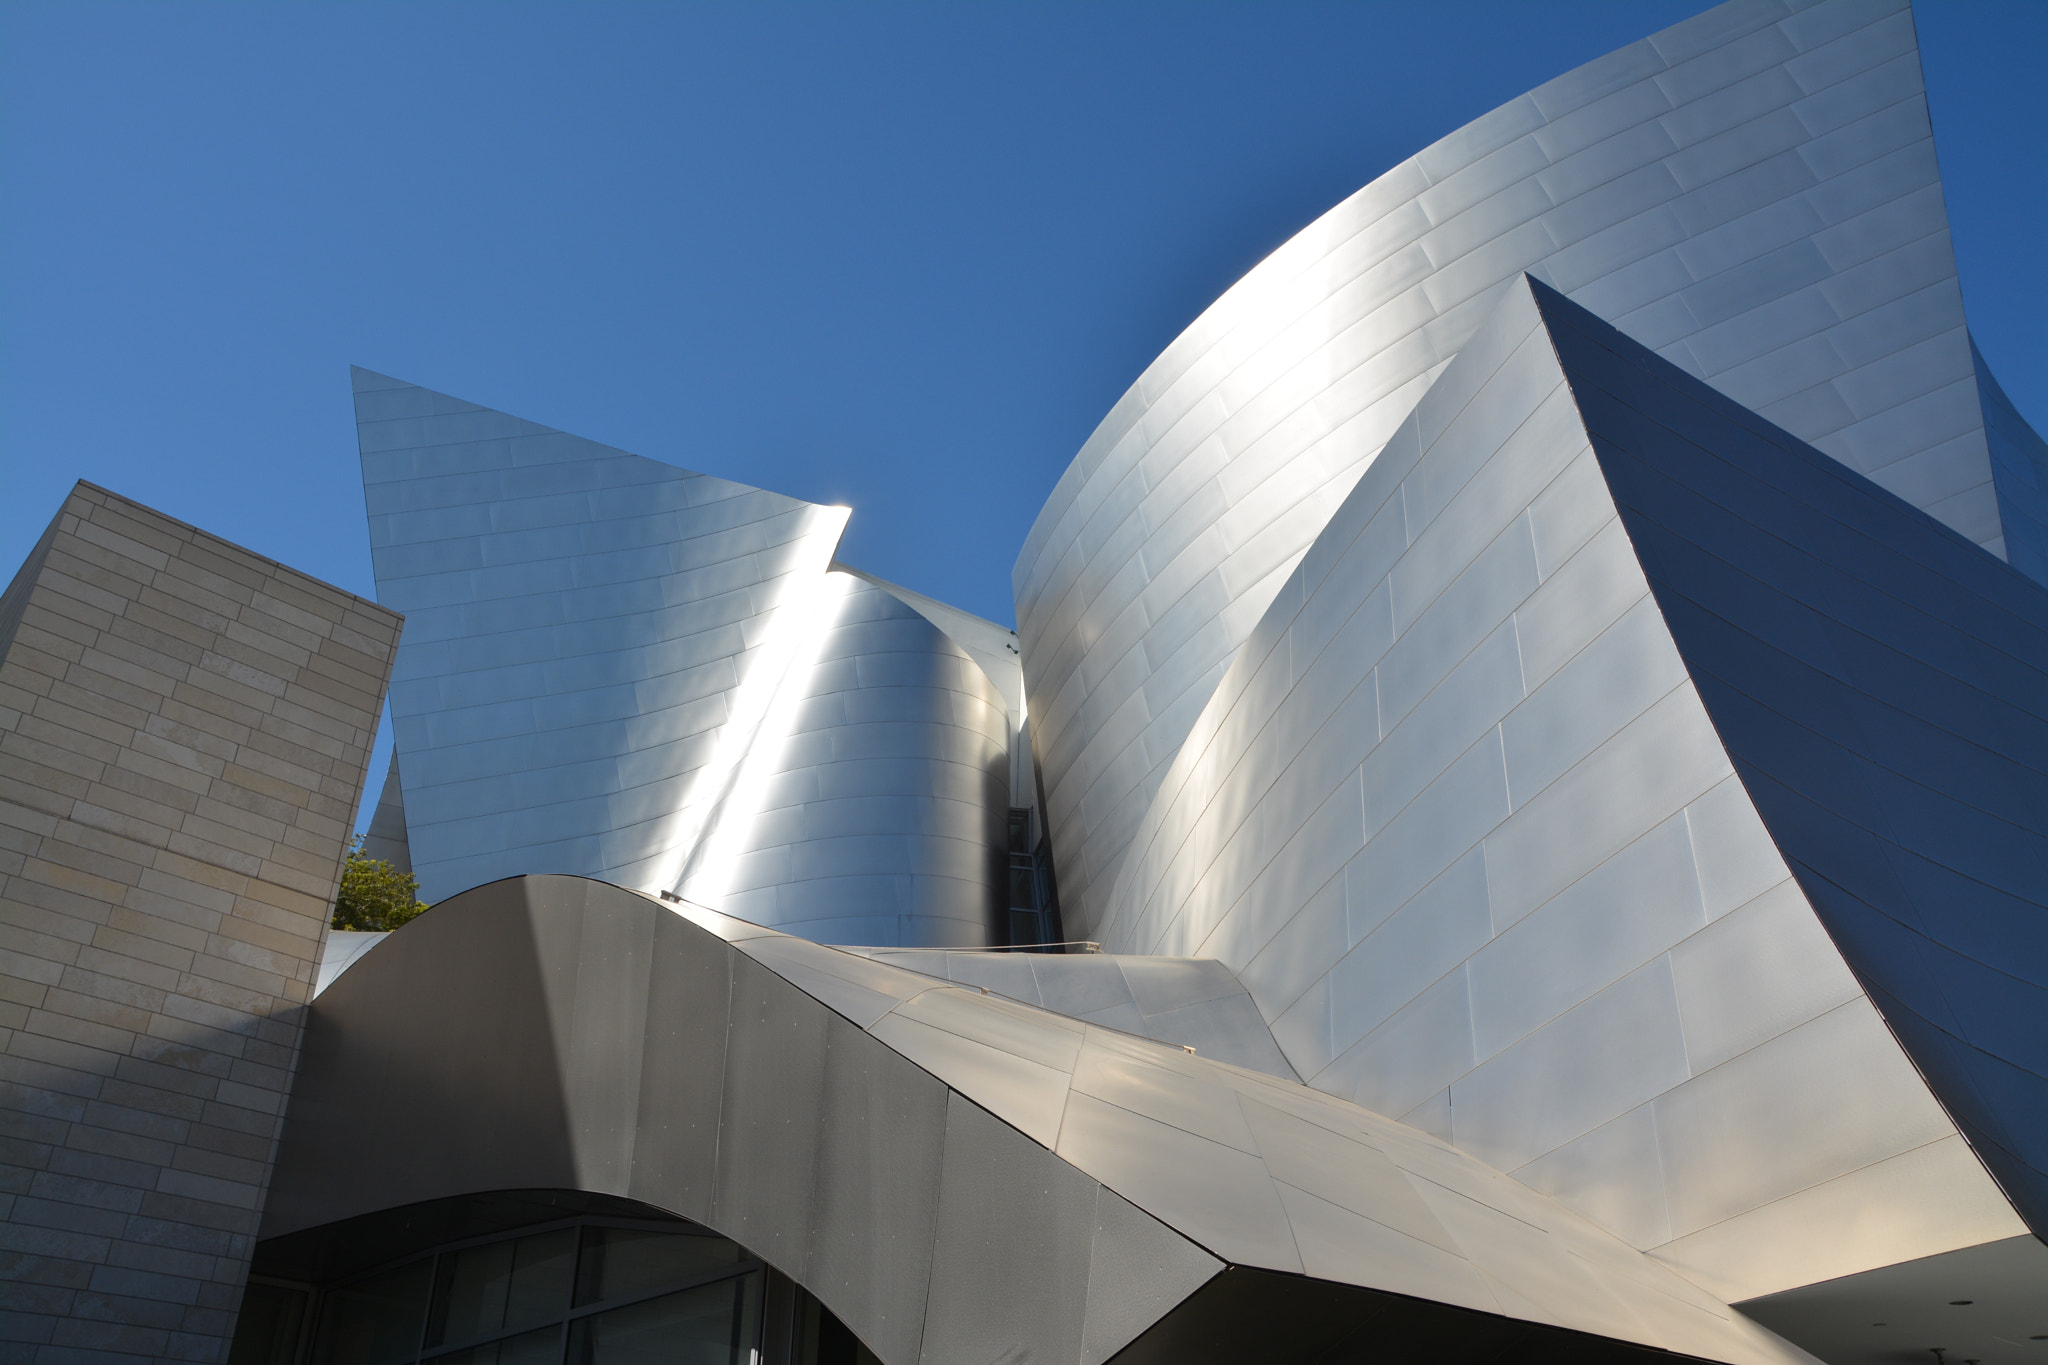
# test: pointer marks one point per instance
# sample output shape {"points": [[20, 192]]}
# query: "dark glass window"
{"points": [[268, 1330], [626, 1262], [375, 1319], [702, 1326], [592, 1292], [488, 1289]]}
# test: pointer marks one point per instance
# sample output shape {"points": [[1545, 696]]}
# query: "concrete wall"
{"points": [[184, 727]]}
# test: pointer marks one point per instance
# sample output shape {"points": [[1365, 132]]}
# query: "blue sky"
{"points": [[899, 256]]}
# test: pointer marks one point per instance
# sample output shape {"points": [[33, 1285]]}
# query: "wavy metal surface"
{"points": [[1883, 691], [882, 806], [1753, 193], [957, 1176], [1460, 822]]}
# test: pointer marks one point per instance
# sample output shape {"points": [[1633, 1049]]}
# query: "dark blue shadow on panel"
{"points": [[1881, 686]]}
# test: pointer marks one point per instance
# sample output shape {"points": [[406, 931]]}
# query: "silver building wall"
{"points": [[957, 1176], [1191, 1002], [1753, 193], [877, 812], [1460, 821], [1879, 684], [184, 727], [591, 637], [619, 669], [996, 649]]}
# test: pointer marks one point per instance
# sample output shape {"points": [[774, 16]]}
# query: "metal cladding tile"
{"points": [[1023, 1092], [1138, 1270], [1832, 1095], [1077, 983], [854, 986], [1194, 1104], [1228, 1030], [1612, 1175], [1122, 1018], [1220, 1198], [1012, 1254], [598, 993], [1759, 262], [1342, 1171], [857, 1003], [1529, 1274], [1161, 984], [682, 1069], [1977, 923], [1622, 913], [770, 1120], [876, 1204], [1338, 1244], [712, 922], [1876, 844], [1004, 973], [1759, 970]]}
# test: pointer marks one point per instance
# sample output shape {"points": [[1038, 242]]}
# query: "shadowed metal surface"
{"points": [[1983, 1303], [385, 839], [880, 815], [1458, 819], [1752, 192], [1883, 691], [955, 1174]]}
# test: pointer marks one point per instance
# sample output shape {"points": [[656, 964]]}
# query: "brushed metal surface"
{"points": [[1187, 1001], [621, 669], [878, 816], [580, 624], [1752, 192], [1877, 682], [823, 1137], [1502, 876]]}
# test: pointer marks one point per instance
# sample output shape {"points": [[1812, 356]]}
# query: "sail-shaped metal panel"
{"points": [[1753, 193], [590, 636]]}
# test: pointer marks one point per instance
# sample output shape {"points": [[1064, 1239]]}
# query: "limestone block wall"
{"points": [[184, 727]]}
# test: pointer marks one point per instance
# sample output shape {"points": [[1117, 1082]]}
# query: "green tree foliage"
{"points": [[375, 895]]}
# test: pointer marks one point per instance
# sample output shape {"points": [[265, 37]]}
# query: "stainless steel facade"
{"points": [[1753, 193], [1879, 685], [878, 811], [620, 669], [1460, 820], [1568, 814], [957, 1176], [583, 629]]}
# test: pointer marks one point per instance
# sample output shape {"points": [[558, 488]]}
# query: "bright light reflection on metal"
{"points": [[801, 624], [791, 631]]}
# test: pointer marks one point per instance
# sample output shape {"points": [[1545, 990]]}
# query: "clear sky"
{"points": [[898, 256]]}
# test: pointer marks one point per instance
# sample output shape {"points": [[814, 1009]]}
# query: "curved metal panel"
{"points": [[1192, 1002], [1458, 818], [591, 637], [1031, 1180], [876, 811], [1753, 193], [1883, 691], [385, 839], [2019, 464]]}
